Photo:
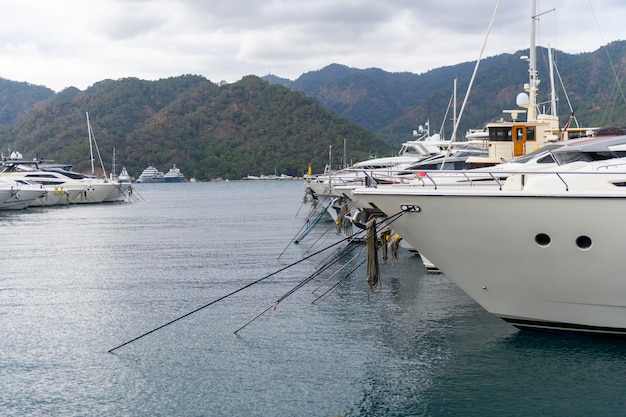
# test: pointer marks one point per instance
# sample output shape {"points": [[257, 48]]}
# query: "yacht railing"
{"points": [[493, 178]]}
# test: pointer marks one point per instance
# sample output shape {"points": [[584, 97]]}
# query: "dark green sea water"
{"points": [[78, 281]]}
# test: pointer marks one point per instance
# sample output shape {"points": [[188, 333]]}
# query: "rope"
{"points": [[331, 289], [373, 271], [337, 271], [329, 262], [469, 87], [311, 225], [384, 237], [223, 297]]}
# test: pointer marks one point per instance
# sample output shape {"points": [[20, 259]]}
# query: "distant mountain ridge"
{"points": [[393, 104]]}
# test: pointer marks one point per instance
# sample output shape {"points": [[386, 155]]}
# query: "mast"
{"points": [[454, 113], [532, 70], [92, 138], [552, 88], [112, 173], [93, 169]]}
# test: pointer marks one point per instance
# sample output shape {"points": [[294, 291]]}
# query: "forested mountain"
{"points": [[17, 99], [393, 104], [276, 125], [208, 131]]}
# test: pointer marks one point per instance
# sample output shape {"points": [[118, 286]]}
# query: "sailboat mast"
{"points": [[532, 70], [92, 144], [552, 88], [113, 173], [93, 169], [453, 139]]}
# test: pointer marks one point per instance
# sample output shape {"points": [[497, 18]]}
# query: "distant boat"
{"points": [[124, 177], [151, 175], [174, 175]]}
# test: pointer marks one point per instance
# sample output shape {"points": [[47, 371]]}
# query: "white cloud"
{"points": [[76, 43]]}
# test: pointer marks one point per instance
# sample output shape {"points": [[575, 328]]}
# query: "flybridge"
{"points": [[15, 162]]}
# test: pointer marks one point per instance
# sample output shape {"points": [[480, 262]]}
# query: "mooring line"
{"points": [[308, 279], [279, 300], [328, 291], [306, 223], [223, 297], [338, 254], [337, 271], [134, 191], [326, 265]]}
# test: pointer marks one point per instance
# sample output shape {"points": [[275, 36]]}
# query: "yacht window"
{"points": [[500, 134], [40, 175], [73, 175], [573, 156], [548, 159], [601, 156]]}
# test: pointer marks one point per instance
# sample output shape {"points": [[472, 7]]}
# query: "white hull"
{"points": [[493, 244], [119, 193], [22, 199], [94, 192], [51, 198]]}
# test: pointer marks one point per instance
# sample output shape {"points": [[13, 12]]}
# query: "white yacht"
{"points": [[73, 187], [540, 251], [517, 243], [22, 193], [124, 177], [151, 175], [174, 175]]}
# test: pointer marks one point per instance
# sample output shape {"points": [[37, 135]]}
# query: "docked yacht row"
{"points": [[533, 234], [34, 183], [534, 240]]}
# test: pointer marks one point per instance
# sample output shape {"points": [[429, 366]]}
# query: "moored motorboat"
{"points": [[538, 251], [23, 193], [124, 177]]}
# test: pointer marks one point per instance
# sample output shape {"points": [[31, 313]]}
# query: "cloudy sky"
{"points": [[64, 43]]}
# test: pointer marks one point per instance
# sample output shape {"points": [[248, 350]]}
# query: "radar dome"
{"points": [[522, 100]]}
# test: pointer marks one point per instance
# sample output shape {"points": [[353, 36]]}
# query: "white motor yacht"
{"points": [[23, 193], [174, 175], [151, 175], [537, 248]]}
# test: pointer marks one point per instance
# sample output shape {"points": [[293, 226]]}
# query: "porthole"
{"points": [[543, 240], [583, 242]]}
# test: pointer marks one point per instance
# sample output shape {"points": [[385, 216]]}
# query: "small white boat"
{"points": [[124, 177]]}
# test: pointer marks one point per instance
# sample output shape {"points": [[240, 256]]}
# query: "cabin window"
{"points": [[500, 134], [548, 159]]}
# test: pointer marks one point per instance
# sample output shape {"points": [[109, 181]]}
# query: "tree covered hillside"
{"points": [[208, 131]]}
